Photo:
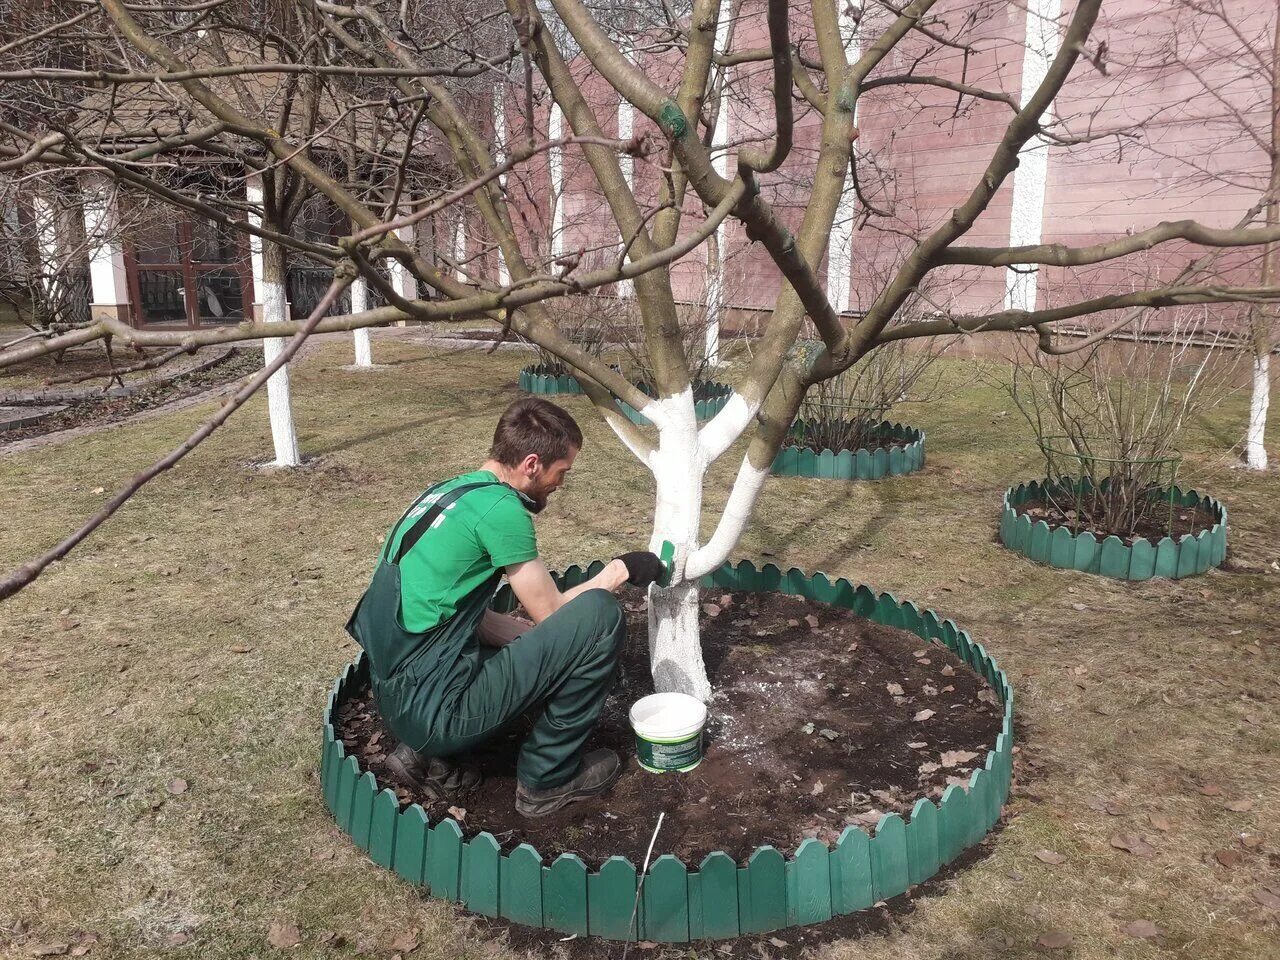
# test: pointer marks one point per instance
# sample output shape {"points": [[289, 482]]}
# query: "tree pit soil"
{"points": [[103, 409], [821, 719], [1154, 526]]}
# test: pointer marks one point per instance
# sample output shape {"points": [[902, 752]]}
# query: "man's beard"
{"points": [[537, 500]]}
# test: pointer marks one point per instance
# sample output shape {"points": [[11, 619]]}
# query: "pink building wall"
{"points": [[1192, 152]]}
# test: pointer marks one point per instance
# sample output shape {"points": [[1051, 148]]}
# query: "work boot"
{"points": [[600, 768], [438, 778]]}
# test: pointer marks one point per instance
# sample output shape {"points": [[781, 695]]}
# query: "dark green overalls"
{"points": [[442, 693]]}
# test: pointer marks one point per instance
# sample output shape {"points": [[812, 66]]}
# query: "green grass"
{"points": [[120, 674]]}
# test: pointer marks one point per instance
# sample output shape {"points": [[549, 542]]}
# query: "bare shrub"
{"points": [[1109, 419]]}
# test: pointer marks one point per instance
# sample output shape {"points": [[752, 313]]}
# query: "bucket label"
{"points": [[681, 755]]}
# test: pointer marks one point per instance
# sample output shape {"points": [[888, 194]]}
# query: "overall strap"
{"points": [[423, 523]]}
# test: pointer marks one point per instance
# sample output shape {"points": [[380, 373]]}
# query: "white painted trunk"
{"points": [[359, 304], [1255, 448], [626, 290], [679, 467], [275, 309]]}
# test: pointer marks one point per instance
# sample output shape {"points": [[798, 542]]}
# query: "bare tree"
{"points": [[426, 73]]}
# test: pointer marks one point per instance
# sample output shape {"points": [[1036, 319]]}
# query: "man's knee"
{"points": [[601, 611]]}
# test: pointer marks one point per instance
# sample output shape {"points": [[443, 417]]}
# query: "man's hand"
{"points": [[643, 567]]}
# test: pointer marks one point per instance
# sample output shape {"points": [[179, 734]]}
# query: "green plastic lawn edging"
{"points": [[903, 453], [709, 396], [1109, 556], [719, 898], [536, 379]]}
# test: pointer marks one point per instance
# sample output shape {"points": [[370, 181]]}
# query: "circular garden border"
{"points": [[720, 899], [535, 380], [904, 454], [715, 395], [1109, 556]]}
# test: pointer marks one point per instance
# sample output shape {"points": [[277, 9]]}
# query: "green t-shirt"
{"points": [[483, 531]]}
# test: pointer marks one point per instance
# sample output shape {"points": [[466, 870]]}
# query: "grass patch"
{"points": [[122, 674]]}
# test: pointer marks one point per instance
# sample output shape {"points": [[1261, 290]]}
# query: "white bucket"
{"points": [[668, 728]]}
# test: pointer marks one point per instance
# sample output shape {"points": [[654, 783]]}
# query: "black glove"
{"points": [[643, 567]]}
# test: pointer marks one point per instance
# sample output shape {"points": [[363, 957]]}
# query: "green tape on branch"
{"points": [[720, 899], [1109, 556], [672, 120]]}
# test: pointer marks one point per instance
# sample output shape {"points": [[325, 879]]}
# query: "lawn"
{"points": [[163, 686]]}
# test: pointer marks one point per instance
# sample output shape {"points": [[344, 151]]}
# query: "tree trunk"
{"points": [[1260, 318], [679, 466], [1255, 456], [360, 303], [275, 309]]}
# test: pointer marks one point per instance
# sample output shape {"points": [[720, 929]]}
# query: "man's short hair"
{"points": [[534, 425]]}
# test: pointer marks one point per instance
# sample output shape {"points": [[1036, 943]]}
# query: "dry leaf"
{"points": [[177, 939], [711, 609], [917, 744], [1267, 899], [829, 734], [948, 670], [811, 620], [406, 942], [1160, 822], [1048, 856], [1229, 858], [458, 813], [929, 767], [284, 936], [50, 949], [1251, 841], [1142, 929], [817, 789], [919, 653], [1132, 843], [895, 689], [1211, 790], [1054, 940], [1240, 806], [954, 758], [241, 648], [923, 715], [176, 786]]}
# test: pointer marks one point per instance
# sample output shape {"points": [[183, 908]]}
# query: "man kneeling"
{"points": [[448, 672]]}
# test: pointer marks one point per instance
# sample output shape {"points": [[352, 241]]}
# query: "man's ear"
{"points": [[529, 464]]}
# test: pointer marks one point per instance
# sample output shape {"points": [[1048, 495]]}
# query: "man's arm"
{"points": [[532, 584]]}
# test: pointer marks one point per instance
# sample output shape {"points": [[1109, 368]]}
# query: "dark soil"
{"points": [[813, 728], [104, 409], [1154, 526]]}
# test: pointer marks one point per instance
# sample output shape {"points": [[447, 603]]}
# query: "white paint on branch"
{"points": [[359, 304], [727, 426], [1255, 439], [737, 512], [1026, 219], [267, 261]]}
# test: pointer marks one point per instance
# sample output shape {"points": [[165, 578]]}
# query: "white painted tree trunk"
{"points": [[275, 309], [360, 303], [267, 261], [1255, 448], [679, 466], [626, 290]]}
